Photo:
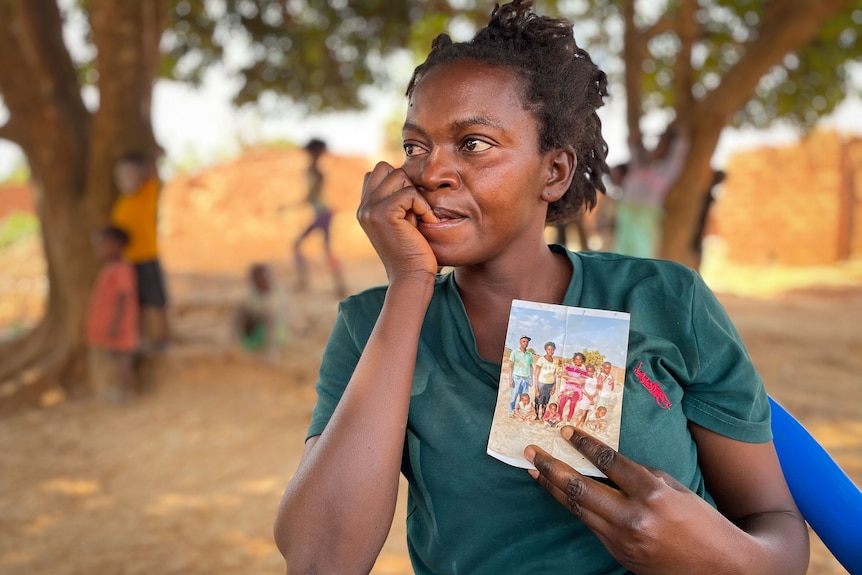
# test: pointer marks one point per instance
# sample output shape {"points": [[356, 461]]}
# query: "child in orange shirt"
{"points": [[112, 318]]}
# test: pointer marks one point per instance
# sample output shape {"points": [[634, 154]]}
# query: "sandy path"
{"points": [[186, 480]]}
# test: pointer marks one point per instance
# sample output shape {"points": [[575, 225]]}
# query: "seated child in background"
{"points": [[112, 318], [524, 408], [552, 416], [261, 324]]}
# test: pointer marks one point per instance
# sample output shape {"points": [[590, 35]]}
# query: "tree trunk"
{"points": [[786, 27], [71, 154]]}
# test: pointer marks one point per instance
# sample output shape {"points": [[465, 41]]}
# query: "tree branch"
{"points": [[39, 82], [126, 37], [661, 26], [683, 73], [634, 47], [784, 29]]}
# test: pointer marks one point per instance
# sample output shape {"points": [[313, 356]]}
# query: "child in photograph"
{"points": [[546, 379], [501, 138], [599, 422], [524, 409], [112, 319], [520, 370], [577, 367], [552, 416], [589, 392], [570, 394], [606, 384]]}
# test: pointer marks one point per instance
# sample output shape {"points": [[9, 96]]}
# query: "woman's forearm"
{"points": [[337, 510]]}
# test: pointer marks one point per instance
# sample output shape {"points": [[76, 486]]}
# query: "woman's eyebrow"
{"points": [[459, 125], [471, 121]]}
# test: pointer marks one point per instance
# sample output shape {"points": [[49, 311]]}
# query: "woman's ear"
{"points": [[560, 169]]}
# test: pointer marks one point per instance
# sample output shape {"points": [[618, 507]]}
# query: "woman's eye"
{"points": [[412, 150], [475, 145]]}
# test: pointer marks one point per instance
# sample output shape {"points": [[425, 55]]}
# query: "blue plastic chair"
{"points": [[828, 499]]}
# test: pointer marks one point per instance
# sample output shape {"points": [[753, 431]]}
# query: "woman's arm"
{"points": [[652, 524], [336, 512], [749, 488]]}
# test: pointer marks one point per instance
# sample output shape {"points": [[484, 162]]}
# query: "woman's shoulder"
{"points": [[609, 278]]}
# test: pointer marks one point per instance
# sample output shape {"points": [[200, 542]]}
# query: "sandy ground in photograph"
{"points": [[187, 478]]}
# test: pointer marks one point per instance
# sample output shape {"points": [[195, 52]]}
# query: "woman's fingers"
{"points": [[578, 493], [632, 478], [385, 181]]}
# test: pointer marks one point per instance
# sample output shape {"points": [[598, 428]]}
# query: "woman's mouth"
{"points": [[444, 215]]}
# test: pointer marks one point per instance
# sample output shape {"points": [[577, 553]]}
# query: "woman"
{"points": [[501, 138]]}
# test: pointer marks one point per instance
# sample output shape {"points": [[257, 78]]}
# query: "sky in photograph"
{"points": [[571, 329]]}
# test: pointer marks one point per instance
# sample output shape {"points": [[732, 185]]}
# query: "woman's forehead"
{"points": [[467, 92]]}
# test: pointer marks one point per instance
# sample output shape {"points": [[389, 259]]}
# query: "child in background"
{"points": [[552, 416], [112, 318], [261, 322], [322, 219], [136, 212]]}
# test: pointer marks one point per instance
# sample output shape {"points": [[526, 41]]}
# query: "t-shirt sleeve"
{"points": [[725, 394], [340, 357]]}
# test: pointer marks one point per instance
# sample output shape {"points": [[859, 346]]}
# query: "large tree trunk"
{"points": [[71, 153], [786, 27]]}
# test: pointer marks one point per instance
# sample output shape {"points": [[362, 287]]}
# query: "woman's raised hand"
{"points": [[389, 212]]}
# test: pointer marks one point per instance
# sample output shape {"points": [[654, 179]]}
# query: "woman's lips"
{"points": [[446, 215]]}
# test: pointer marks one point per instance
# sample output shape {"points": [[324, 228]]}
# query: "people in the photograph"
{"points": [[524, 408], [570, 394], [606, 385], [520, 371], [501, 138], [552, 417], [598, 422], [589, 392], [577, 367], [545, 376]]}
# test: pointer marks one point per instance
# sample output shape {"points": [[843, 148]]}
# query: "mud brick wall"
{"points": [[793, 205]]}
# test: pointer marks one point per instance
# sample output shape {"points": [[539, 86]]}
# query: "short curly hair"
{"points": [[562, 88]]}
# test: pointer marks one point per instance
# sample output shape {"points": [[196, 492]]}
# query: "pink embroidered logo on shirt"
{"points": [[652, 387]]}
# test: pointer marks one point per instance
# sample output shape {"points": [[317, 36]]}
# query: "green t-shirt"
{"points": [[522, 363], [469, 512]]}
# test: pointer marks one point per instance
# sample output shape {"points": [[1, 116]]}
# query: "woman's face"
{"points": [[473, 153]]}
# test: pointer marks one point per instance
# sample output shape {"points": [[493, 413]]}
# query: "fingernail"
{"points": [[567, 432], [529, 453]]}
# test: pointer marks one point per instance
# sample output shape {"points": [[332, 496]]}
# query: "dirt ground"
{"points": [[186, 479]]}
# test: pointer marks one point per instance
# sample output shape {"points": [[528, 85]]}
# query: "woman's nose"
{"points": [[436, 170]]}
